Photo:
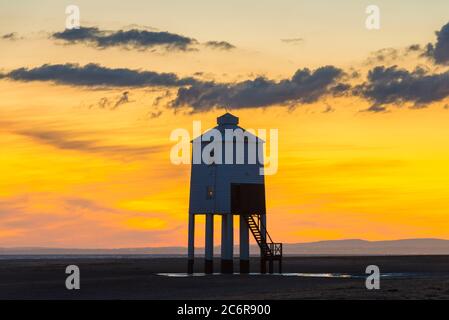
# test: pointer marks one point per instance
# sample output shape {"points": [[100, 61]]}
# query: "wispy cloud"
{"points": [[293, 41], [220, 45], [13, 36], [122, 100], [94, 75], [384, 56], [329, 109], [66, 140], [112, 104], [413, 48]]}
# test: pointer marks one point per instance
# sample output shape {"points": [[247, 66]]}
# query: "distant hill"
{"points": [[334, 247], [362, 247], [78, 251]]}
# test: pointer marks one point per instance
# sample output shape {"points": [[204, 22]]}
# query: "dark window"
{"points": [[210, 192]]}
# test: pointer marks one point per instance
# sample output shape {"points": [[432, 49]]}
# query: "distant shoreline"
{"points": [[18, 257], [355, 247]]}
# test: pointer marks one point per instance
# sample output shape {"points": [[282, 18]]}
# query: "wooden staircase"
{"points": [[269, 250]]}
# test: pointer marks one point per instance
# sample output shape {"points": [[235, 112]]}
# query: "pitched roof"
{"points": [[227, 118]]}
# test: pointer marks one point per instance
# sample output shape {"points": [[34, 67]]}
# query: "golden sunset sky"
{"points": [[87, 165]]}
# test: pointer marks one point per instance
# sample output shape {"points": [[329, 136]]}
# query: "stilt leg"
{"points": [[270, 266], [244, 246], [263, 226], [263, 265], [209, 248], [228, 266], [224, 228], [191, 244]]}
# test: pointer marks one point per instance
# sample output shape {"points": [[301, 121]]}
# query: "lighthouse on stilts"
{"points": [[227, 180]]}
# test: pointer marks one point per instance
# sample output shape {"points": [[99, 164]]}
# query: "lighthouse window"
{"points": [[210, 192]]}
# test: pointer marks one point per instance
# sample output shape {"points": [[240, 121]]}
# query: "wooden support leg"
{"points": [[191, 244], [244, 246], [263, 265], [224, 227], [209, 248], [227, 243]]}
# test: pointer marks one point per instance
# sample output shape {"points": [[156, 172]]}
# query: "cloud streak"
{"points": [[112, 104], [293, 41], [220, 45], [94, 75], [13, 36], [304, 87], [134, 38], [66, 140]]}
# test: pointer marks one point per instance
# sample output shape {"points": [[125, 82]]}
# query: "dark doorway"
{"points": [[247, 198]]}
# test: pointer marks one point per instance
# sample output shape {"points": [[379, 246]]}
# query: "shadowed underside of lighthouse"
{"points": [[228, 181]]}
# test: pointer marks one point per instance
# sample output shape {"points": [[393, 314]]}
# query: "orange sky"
{"points": [[76, 175]]}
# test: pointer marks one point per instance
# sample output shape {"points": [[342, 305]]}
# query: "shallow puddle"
{"points": [[302, 275]]}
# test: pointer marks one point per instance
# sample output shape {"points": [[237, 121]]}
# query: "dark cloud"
{"points": [[122, 100], [439, 52], [413, 47], [134, 38], [112, 104], [221, 45], [304, 87], [13, 36], [94, 75], [65, 140], [397, 86], [340, 89]]}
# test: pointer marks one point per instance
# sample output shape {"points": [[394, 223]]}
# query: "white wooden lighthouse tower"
{"points": [[230, 183]]}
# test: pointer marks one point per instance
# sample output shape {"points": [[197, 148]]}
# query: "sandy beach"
{"points": [[136, 277]]}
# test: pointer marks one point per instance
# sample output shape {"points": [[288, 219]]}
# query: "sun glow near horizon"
{"points": [[81, 169]]}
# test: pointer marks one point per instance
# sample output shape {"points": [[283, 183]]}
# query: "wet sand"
{"points": [[427, 277]]}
